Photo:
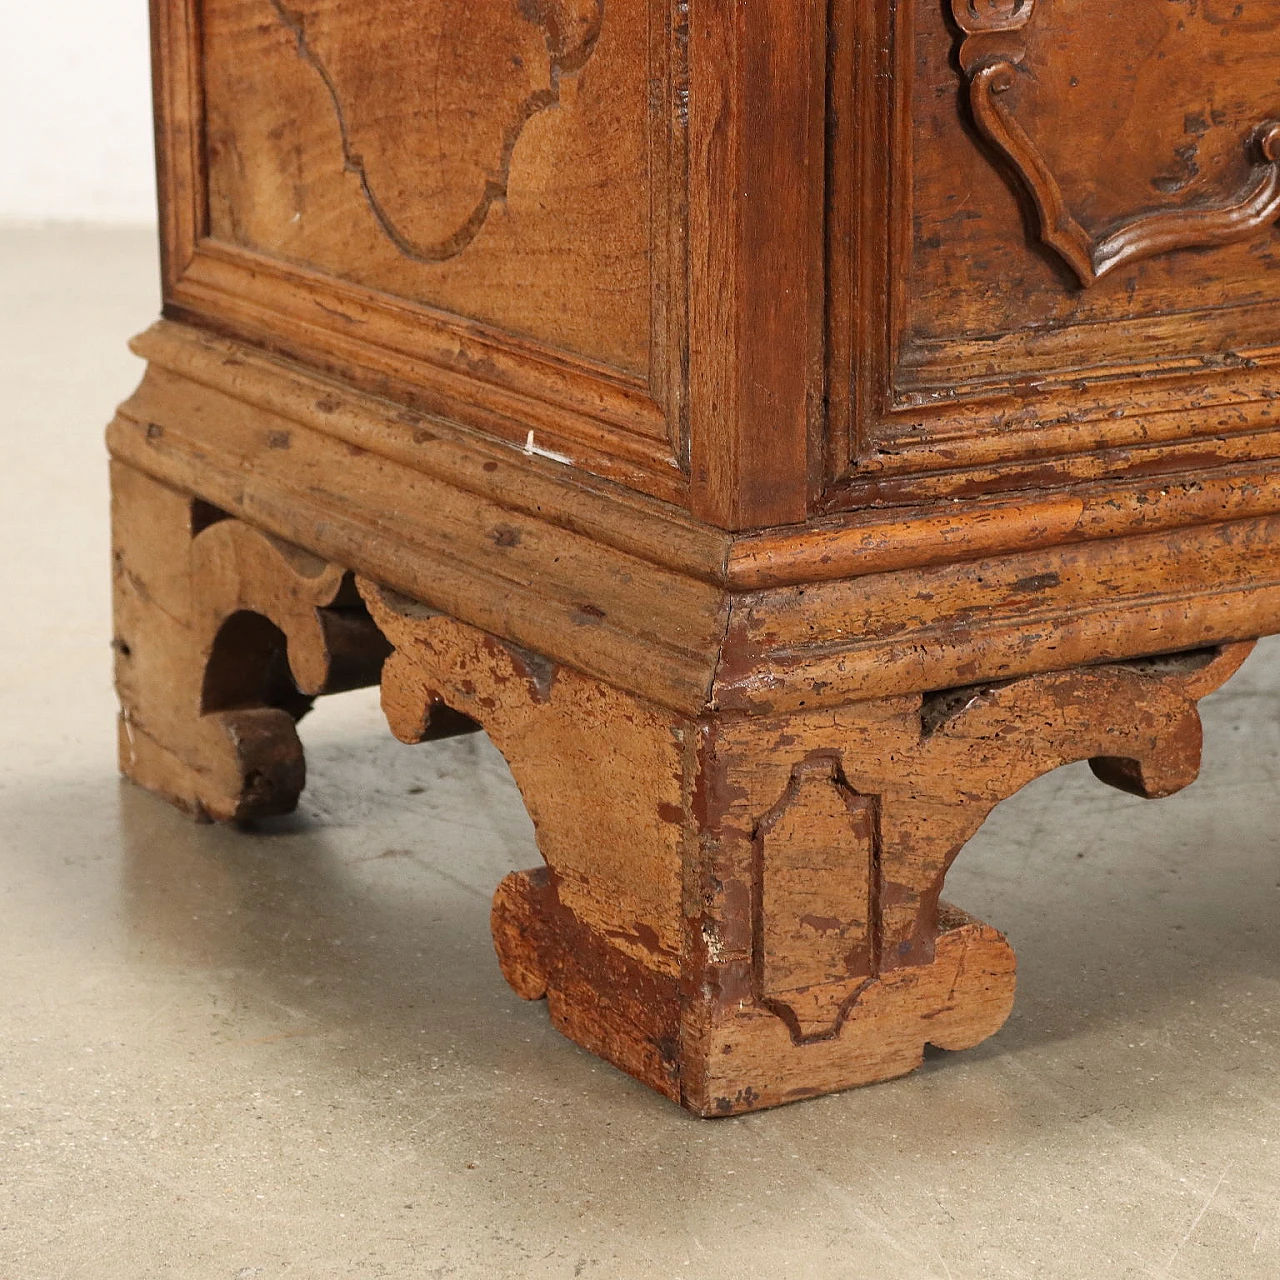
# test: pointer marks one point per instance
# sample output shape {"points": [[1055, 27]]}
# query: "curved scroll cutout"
{"points": [[224, 636], [271, 628], [989, 57], [374, 148]]}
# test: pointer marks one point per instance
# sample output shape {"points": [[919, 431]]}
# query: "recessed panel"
{"points": [[1090, 184], [499, 161]]}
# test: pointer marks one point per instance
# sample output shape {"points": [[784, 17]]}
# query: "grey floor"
{"points": [[290, 1053]]}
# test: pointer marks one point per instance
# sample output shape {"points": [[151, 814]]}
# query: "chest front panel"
{"points": [[1077, 202]]}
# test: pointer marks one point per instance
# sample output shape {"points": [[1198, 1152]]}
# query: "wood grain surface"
{"points": [[785, 427]]}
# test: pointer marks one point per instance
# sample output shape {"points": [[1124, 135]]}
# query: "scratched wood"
{"points": [[964, 332], [739, 910], [828, 286], [898, 786], [664, 607], [742, 911], [1126, 113]]}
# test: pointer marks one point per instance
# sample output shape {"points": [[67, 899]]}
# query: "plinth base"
{"points": [[739, 909]]}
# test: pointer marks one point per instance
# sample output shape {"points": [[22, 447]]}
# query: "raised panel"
{"points": [[478, 210], [491, 161], [817, 889], [1132, 109], [1057, 222]]}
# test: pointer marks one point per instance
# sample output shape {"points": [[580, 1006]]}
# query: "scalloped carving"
{"points": [[224, 636], [990, 52], [430, 110]]}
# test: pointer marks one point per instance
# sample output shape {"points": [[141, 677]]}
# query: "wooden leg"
{"points": [[742, 911], [828, 957], [223, 636]]}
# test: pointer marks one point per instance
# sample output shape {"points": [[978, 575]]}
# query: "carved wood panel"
{"points": [[459, 158], [461, 161], [477, 210], [1077, 205], [1116, 133], [992, 52], [462, 89], [817, 899]]}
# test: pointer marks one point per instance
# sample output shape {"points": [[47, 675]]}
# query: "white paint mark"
{"points": [[127, 718], [537, 451]]}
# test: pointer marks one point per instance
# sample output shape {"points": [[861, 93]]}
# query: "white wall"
{"points": [[75, 85]]}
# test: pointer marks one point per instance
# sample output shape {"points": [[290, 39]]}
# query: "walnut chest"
{"points": [[786, 428]]}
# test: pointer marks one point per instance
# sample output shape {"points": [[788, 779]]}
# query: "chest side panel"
{"points": [[475, 207]]}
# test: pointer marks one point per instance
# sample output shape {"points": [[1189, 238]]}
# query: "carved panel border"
{"points": [[964, 417], [991, 48], [816, 900], [568, 51], [625, 428]]}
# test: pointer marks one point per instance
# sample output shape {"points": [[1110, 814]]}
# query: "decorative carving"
{"points": [[745, 910], [990, 53], [431, 137], [816, 904], [850, 962], [224, 636], [598, 931], [739, 910]]}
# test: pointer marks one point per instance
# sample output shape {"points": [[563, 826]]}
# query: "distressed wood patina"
{"points": [[784, 428]]}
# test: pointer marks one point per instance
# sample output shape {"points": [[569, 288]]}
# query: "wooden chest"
{"points": [[785, 427]]}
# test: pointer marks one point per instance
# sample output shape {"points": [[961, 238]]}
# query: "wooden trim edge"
{"points": [[634, 592]]}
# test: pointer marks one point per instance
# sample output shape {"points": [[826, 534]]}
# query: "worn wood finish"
{"points": [[223, 637], [603, 774], [461, 528], [757, 82], [823, 290], [745, 911], [923, 773], [739, 909], [786, 427], [993, 49], [500, 284], [981, 336], [631, 593]]}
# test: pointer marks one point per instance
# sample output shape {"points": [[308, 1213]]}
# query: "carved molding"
{"points": [[739, 910], [846, 880], [990, 52], [816, 901], [569, 30]]}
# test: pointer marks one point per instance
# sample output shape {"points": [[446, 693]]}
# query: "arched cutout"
{"points": [[248, 668]]}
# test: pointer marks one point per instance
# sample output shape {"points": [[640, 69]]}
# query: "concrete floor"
{"points": [[290, 1053]]}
